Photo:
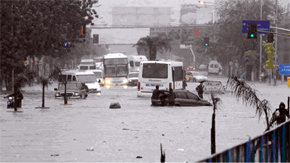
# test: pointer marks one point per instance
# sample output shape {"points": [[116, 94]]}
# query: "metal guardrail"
{"points": [[272, 146]]}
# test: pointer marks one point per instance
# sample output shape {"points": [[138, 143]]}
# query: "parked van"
{"points": [[166, 74], [87, 64], [134, 62], [90, 79]]}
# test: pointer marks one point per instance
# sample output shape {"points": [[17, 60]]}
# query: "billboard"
{"points": [[141, 16], [182, 34], [196, 14]]}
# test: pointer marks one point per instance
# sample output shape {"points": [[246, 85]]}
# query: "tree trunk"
{"points": [[267, 119], [212, 133], [65, 98], [43, 89]]}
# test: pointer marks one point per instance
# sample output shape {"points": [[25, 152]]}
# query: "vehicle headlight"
{"points": [[107, 81], [10, 98], [57, 94], [76, 93], [125, 81]]}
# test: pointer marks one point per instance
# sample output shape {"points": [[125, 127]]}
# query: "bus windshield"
{"points": [[114, 61], [155, 70], [86, 78], [122, 70], [117, 71], [69, 86]]}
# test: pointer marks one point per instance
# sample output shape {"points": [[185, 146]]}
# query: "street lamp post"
{"points": [[261, 17], [276, 41]]}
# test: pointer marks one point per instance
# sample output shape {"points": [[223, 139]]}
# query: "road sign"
{"points": [[213, 87], [284, 69], [262, 25]]}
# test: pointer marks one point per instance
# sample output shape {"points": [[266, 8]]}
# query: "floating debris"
{"points": [[53, 155], [90, 149]]}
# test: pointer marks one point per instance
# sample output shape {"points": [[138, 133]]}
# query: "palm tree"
{"points": [[45, 80], [150, 45], [215, 101], [249, 96]]}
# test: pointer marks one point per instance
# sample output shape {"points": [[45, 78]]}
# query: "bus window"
{"points": [[178, 74], [153, 70], [131, 64]]}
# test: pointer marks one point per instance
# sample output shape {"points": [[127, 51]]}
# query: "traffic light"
{"points": [[270, 37], [206, 41], [252, 31]]}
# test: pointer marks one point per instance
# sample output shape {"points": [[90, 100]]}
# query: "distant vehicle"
{"points": [[73, 89], [190, 68], [116, 70], [133, 78], [182, 98], [214, 67], [195, 76], [99, 76], [68, 76], [87, 64], [135, 61], [90, 79], [166, 74], [99, 66]]}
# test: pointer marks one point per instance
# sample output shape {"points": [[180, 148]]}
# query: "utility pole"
{"points": [[261, 17], [276, 42]]}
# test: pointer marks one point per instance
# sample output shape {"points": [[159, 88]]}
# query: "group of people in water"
{"points": [[162, 97]]}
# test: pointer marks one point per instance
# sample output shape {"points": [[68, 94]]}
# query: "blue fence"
{"points": [[272, 146]]}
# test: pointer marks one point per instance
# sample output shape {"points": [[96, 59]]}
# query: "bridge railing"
{"points": [[272, 146]]}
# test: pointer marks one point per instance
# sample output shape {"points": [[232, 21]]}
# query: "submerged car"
{"points": [[73, 89], [181, 98], [195, 76], [133, 78]]}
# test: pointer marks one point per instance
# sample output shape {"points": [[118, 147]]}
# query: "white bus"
{"points": [[116, 70], [166, 74], [134, 62]]}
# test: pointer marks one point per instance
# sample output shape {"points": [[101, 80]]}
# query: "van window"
{"points": [[92, 67], [69, 78], [131, 64], [153, 70], [98, 74], [178, 74], [84, 67], [137, 63]]}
